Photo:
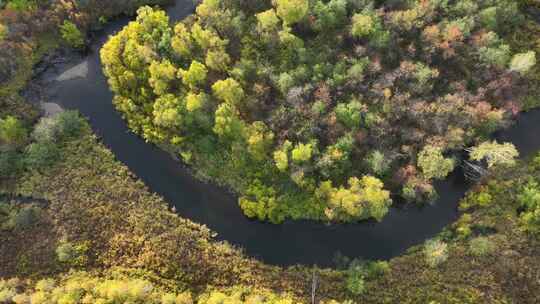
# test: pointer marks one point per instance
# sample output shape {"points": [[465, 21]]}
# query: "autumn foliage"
{"points": [[317, 109]]}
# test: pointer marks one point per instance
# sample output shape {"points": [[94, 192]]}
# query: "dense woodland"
{"points": [[322, 109], [76, 226], [31, 30]]}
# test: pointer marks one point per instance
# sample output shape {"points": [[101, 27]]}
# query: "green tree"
{"points": [[498, 56], [167, 111], [206, 38], [182, 42], [195, 76], [291, 11], [350, 114], [259, 139], [229, 91], [152, 26], [433, 163], [264, 206], [13, 134], [162, 75], [363, 25], [281, 156], [227, 123], [488, 17], [195, 102], [268, 21], [302, 153], [331, 15], [363, 199], [218, 60], [208, 7], [71, 34]]}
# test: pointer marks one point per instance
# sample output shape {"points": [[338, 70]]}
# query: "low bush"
{"points": [[529, 199], [435, 252], [73, 254], [62, 126], [481, 246], [16, 217], [360, 271]]}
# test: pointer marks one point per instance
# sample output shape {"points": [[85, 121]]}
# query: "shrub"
{"points": [[12, 132], [70, 124], [46, 130], [3, 32], [529, 199], [12, 217], [25, 217], [463, 226], [10, 164], [71, 34], [41, 155], [355, 280], [72, 254], [359, 271], [377, 269], [483, 199], [481, 246], [435, 252]]}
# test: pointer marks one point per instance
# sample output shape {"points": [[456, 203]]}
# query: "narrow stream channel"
{"points": [[302, 242]]}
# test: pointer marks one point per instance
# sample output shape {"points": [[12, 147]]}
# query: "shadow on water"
{"points": [[302, 242]]}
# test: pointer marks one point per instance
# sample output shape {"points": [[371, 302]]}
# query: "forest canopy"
{"points": [[318, 109]]}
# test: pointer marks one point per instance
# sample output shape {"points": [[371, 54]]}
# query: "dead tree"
{"points": [[314, 283]]}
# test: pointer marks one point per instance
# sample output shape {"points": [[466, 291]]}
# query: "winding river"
{"points": [[85, 88]]}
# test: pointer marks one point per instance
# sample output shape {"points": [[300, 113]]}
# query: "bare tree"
{"points": [[314, 283]]}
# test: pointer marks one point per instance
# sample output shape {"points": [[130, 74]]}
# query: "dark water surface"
{"points": [[302, 242]]}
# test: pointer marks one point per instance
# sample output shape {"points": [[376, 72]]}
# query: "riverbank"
{"points": [[96, 201]]}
